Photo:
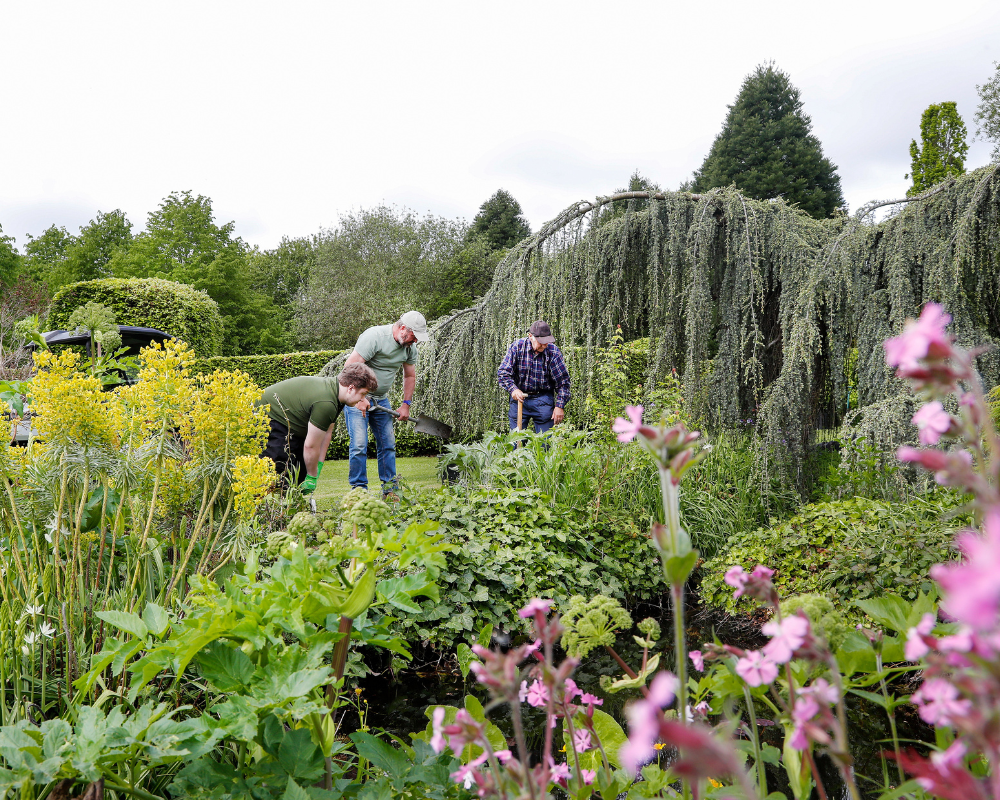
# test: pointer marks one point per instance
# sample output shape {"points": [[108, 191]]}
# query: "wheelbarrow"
{"points": [[424, 424]]}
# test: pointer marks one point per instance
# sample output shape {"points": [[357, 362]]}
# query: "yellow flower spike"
{"points": [[253, 477], [70, 406]]}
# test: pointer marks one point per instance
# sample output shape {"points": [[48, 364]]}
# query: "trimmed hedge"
{"points": [[268, 370], [175, 308]]}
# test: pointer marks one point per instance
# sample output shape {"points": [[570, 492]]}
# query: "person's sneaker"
{"points": [[390, 497]]}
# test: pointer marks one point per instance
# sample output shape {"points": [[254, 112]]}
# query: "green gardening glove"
{"points": [[319, 470], [308, 486]]}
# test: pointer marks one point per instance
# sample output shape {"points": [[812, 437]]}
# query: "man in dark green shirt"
{"points": [[303, 411]]}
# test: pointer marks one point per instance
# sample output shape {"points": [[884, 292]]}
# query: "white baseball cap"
{"points": [[415, 321]]}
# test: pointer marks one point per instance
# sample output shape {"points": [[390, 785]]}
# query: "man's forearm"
{"points": [[311, 455], [409, 384]]}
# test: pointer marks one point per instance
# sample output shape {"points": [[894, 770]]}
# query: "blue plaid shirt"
{"points": [[535, 373]]}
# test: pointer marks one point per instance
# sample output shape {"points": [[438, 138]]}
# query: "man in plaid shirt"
{"points": [[534, 372]]}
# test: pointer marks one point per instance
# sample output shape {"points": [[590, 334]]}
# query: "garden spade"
{"points": [[424, 424]]}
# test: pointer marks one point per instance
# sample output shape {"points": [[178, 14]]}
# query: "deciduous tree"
{"points": [[942, 148], [767, 148], [183, 243], [988, 112], [10, 259]]}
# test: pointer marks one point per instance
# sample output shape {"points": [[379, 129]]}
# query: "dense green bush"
{"points": [[515, 545], [267, 370], [848, 550], [176, 308]]}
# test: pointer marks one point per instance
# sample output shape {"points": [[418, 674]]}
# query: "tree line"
{"points": [[382, 261]]}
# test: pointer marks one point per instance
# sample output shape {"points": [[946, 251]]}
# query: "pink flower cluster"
{"points": [[673, 447], [961, 686]]}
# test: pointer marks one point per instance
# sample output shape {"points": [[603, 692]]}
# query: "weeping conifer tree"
{"points": [[757, 304]]}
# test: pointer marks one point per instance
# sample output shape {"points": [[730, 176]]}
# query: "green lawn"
{"points": [[332, 486]]}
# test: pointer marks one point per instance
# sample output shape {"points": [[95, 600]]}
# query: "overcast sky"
{"points": [[289, 114]]}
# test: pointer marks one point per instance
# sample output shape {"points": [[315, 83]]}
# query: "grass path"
{"points": [[420, 471]]}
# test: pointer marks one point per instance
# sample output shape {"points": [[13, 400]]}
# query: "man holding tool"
{"points": [[386, 349], [303, 411], [534, 374]]}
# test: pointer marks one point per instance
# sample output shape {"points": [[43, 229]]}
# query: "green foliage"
{"points": [[988, 112], [57, 258], [592, 623], [827, 621], [845, 550], [500, 222], [767, 149], [10, 259], [376, 265], [514, 545], [269, 369], [467, 277], [942, 149], [183, 243], [175, 308]]}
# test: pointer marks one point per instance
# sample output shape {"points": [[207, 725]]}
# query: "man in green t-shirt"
{"points": [[386, 349], [303, 411]]}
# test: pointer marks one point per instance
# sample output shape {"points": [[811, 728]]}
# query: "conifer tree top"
{"points": [[767, 149]]}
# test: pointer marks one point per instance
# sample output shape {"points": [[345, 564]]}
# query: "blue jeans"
{"points": [[538, 409], [385, 443]]}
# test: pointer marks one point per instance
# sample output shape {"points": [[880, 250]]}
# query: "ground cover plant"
{"points": [[799, 680]]}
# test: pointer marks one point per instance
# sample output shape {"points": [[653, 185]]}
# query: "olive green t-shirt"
{"points": [[298, 401], [384, 355]]}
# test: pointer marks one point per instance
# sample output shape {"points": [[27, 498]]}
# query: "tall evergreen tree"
{"points": [[942, 154], [767, 148], [500, 221]]}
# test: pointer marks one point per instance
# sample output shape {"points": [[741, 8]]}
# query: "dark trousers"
{"points": [[538, 409], [284, 448]]}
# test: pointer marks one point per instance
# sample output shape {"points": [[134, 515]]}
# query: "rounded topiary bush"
{"points": [[175, 308]]}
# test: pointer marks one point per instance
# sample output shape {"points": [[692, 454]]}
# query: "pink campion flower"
{"points": [[588, 776], [535, 607], [503, 756], [944, 774], [736, 577], [702, 708], [762, 573], [916, 645], [522, 693], [560, 774], [587, 699], [971, 589], [644, 721], [537, 695], [939, 703], [697, 660], [756, 668], [805, 709], [932, 422], [438, 742], [960, 642], [571, 690], [921, 338], [787, 636], [663, 689], [628, 429], [823, 691], [581, 741], [950, 469]]}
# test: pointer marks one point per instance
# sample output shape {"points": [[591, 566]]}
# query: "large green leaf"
{"points": [[227, 668], [889, 611], [382, 755], [126, 621], [299, 756], [607, 731]]}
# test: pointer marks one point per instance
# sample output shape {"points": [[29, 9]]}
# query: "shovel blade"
{"points": [[433, 427]]}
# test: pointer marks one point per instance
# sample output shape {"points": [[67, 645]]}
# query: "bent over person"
{"points": [[534, 372], [303, 411]]}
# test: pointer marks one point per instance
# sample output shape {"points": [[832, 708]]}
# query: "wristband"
{"points": [[407, 402], [308, 486]]}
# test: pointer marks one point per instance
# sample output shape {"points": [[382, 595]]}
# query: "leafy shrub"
{"points": [[847, 550], [514, 546], [176, 308], [267, 370]]}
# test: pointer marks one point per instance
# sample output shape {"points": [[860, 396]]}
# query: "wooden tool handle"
{"points": [[520, 413]]}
